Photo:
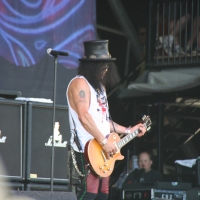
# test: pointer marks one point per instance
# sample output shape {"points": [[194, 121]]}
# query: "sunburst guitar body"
{"points": [[96, 156]]}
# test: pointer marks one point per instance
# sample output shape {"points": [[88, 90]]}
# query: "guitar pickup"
{"points": [[104, 157]]}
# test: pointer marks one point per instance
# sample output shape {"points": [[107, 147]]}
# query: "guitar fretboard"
{"points": [[127, 139], [130, 136]]}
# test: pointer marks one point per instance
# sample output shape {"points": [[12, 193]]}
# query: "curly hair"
{"points": [[92, 71]]}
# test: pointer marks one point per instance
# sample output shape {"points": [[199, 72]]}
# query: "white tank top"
{"points": [[98, 109]]}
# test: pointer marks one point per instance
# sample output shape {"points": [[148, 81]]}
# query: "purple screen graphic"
{"points": [[29, 27]]}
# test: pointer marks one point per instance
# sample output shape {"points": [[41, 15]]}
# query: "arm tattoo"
{"points": [[82, 94], [82, 97]]}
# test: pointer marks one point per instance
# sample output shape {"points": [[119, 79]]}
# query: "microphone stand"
{"points": [[53, 120], [127, 162]]}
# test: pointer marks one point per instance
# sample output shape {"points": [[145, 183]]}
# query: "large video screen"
{"points": [[29, 28]]}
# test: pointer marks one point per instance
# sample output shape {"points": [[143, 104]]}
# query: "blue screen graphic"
{"points": [[29, 27]]}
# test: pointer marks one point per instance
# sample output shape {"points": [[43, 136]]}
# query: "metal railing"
{"points": [[174, 33]]}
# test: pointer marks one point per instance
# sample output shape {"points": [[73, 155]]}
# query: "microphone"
{"points": [[142, 171], [139, 175], [56, 53]]}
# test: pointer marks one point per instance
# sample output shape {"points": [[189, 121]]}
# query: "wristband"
{"points": [[104, 142], [128, 130]]}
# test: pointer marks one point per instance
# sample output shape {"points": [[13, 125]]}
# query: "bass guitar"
{"points": [[96, 157]]}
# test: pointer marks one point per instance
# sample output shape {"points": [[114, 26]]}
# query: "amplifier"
{"points": [[193, 194], [173, 185], [12, 186], [12, 138], [39, 142], [136, 194], [159, 190], [157, 194], [168, 194], [115, 193], [138, 186], [46, 187]]}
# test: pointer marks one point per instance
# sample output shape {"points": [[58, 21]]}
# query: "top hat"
{"points": [[96, 50]]}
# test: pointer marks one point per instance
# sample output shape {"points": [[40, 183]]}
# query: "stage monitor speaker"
{"points": [[12, 186], [173, 185], [143, 194], [46, 187], [38, 195], [12, 145], [115, 193], [192, 194], [39, 142]]}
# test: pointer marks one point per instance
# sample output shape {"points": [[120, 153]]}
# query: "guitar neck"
{"points": [[127, 139]]}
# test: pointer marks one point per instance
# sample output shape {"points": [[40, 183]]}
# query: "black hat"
{"points": [[96, 50]]}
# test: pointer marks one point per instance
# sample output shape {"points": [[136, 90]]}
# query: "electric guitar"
{"points": [[96, 157]]}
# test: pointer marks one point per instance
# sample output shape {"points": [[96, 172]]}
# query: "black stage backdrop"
{"points": [[36, 81]]}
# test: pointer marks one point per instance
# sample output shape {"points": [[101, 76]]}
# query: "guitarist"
{"points": [[89, 116]]}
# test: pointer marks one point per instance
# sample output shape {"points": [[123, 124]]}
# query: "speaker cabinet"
{"points": [[12, 146], [115, 193], [192, 194], [39, 143], [12, 186], [38, 195], [46, 187], [136, 194]]}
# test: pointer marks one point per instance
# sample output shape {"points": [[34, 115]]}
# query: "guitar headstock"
{"points": [[147, 122]]}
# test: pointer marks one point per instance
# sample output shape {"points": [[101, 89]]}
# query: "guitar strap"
{"points": [[112, 122], [73, 156], [76, 139]]}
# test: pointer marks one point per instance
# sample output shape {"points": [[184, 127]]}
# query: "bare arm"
{"points": [[79, 99], [122, 130], [118, 128]]}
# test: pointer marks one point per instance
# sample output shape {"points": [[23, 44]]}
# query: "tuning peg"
{"points": [[143, 118], [148, 128]]}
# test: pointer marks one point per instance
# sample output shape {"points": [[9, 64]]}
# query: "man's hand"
{"points": [[141, 128], [110, 149]]}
